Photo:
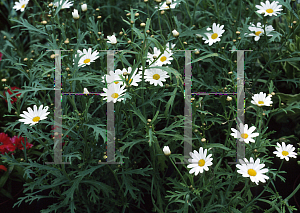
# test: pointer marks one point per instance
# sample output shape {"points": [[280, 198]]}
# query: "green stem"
{"points": [[192, 23], [178, 171]]}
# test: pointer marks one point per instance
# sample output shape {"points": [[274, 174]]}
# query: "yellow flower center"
{"points": [[244, 135], [285, 153], [130, 81], [116, 82], [86, 60], [260, 102], [156, 76], [269, 10], [201, 162], [23, 6], [115, 95], [214, 36], [36, 119], [162, 59], [252, 172], [258, 33], [167, 7]]}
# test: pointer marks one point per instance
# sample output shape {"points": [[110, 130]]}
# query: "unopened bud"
{"points": [[44, 22]]}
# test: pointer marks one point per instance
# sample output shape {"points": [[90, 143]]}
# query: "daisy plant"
{"points": [[261, 99], [162, 59], [65, 4], [214, 36], [269, 9], [167, 5], [284, 151], [32, 117], [199, 161], [259, 31], [155, 76], [87, 57], [21, 5], [247, 134], [114, 93], [253, 170]]}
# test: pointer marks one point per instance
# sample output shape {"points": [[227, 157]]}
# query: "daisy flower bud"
{"points": [[175, 33], [85, 91], [136, 15], [168, 2], [75, 14], [44, 22], [229, 98], [166, 150], [162, 12], [149, 120], [84, 7], [142, 24], [98, 17], [128, 14], [272, 93], [203, 140]]}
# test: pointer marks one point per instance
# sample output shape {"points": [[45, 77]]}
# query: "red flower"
{"points": [[15, 90], [19, 143], [3, 168], [5, 144], [1, 56], [4, 139]]}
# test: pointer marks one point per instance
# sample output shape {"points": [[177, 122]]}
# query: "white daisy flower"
{"points": [[65, 5], [261, 99], [112, 39], [165, 58], [253, 170], [21, 5], [155, 76], [199, 161], [269, 9], [166, 150], [34, 116], [247, 135], [136, 77], [285, 152], [164, 5], [259, 31], [113, 77], [215, 35], [87, 58], [113, 92]]}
